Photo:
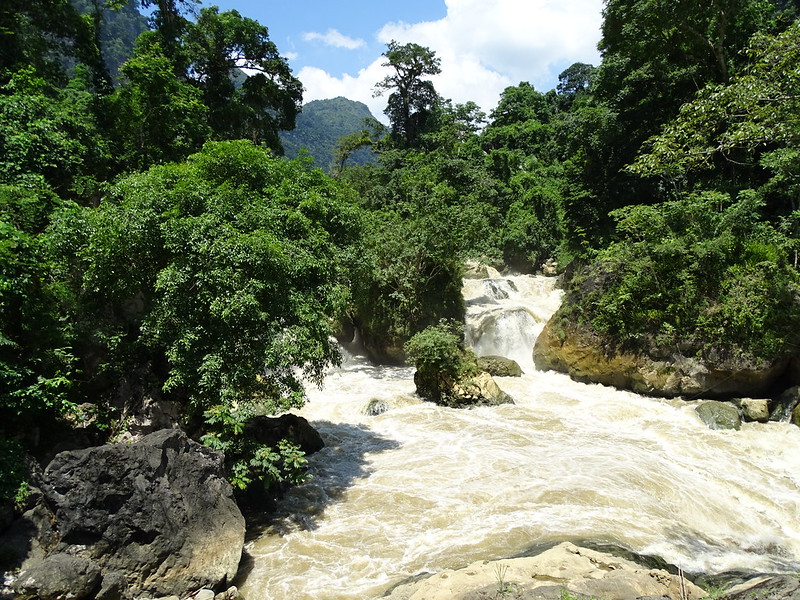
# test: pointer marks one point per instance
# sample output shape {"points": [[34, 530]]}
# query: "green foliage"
{"points": [[700, 273], [36, 365], [321, 125], [224, 269], [157, 117], [408, 278], [13, 473], [439, 350], [49, 135], [249, 461], [752, 120]]}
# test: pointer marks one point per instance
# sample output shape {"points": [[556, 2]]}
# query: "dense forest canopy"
{"points": [[155, 244]]}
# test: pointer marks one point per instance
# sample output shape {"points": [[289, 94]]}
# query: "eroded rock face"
{"points": [[158, 514], [582, 571], [585, 357]]}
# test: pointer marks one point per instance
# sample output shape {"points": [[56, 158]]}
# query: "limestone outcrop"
{"points": [[152, 518], [580, 571], [585, 356]]}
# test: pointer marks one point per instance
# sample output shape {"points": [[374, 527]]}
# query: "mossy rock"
{"points": [[719, 415], [499, 366]]}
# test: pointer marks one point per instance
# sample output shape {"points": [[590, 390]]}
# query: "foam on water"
{"points": [[423, 488]]}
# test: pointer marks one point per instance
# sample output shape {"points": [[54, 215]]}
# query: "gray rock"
{"points": [[230, 594], [583, 572], [782, 407], [766, 587], [113, 587], [477, 270], [271, 430], [719, 415], [158, 513], [754, 409], [468, 392], [59, 576], [153, 415], [499, 366]]}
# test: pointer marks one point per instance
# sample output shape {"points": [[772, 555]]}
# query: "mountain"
{"points": [[321, 124], [118, 31]]}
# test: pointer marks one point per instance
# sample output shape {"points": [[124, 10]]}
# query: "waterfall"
{"points": [[420, 488]]}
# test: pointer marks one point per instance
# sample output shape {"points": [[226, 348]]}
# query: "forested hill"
{"points": [[320, 126]]}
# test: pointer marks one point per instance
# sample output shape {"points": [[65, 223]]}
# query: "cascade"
{"points": [[420, 488]]}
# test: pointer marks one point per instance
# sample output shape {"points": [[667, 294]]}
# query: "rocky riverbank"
{"points": [[571, 572]]}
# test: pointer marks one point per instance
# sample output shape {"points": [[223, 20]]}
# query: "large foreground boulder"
{"points": [[152, 518], [585, 356], [578, 571]]}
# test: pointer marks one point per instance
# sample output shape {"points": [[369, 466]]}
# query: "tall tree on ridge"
{"points": [[411, 103]]}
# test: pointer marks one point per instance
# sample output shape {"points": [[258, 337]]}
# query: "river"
{"points": [[420, 488]]}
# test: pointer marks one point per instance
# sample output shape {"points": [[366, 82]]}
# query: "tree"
{"points": [[157, 117], [217, 47], [217, 278], [49, 136], [750, 118], [574, 82], [658, 53], [412, 99]]}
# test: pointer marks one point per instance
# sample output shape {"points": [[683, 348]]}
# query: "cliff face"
{"points": [[586, 356]]}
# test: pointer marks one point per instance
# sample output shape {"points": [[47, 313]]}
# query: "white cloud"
{"points": [[484, 47], [332, 37]]}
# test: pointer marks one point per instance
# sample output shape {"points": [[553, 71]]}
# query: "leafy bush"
{"points": [[702, 271], [439, 350], [13, 473]]}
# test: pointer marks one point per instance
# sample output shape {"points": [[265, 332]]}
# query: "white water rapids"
{"points": [[423, 488]]}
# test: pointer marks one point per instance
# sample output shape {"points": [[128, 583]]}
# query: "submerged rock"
{"points": [[376, 407], [157, 514], [586, 356], [719, 415], [566, 567], [499, 366]]}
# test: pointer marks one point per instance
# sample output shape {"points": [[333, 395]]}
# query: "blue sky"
{"points": [[334, 47]]}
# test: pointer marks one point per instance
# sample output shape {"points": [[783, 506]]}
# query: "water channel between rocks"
{"points": [[423, 488]]}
